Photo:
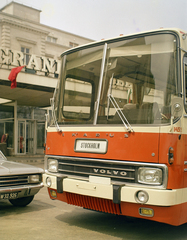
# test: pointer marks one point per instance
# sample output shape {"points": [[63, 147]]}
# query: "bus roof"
{"points": [[180, 32]]}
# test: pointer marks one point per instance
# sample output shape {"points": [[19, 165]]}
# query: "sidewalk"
{"points": [[26, 158]]}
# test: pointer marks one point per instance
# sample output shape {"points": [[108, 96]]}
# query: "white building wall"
{"points": [[20, 27]]}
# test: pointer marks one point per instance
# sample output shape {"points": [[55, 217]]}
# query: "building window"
{"points": [[51, 39], [26, 53], [72, 44]]}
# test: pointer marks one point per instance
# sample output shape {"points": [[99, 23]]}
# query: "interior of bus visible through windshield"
{"points": [[129, 81]]}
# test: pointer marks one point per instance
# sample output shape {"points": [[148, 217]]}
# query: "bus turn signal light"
{"points": [[147, 212], [171, 155], [53, 194]]}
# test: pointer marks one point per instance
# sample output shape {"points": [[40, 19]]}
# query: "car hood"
{"points": [[14, 168]]}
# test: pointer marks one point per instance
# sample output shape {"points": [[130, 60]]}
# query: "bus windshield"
{"points": [[136, 77]]}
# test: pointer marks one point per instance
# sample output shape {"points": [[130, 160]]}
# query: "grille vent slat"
{"points": [[13, 180], [111, 168], [82, 173], [86, 167]]}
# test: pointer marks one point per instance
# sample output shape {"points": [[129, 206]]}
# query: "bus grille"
{"points": [[13, 180], [81, 167], [97, 204]]}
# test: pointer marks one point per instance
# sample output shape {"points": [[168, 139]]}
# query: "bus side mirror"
{"points": [[176, 107]]}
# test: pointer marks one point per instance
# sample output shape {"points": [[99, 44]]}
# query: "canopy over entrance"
{"points": [[22, 113], [31, 90]]}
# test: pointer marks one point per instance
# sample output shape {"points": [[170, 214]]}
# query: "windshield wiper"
{"points": [[52, 101], [117, 108]]}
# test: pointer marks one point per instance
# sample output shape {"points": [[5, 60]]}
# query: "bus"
{"points": [[117, 138]]}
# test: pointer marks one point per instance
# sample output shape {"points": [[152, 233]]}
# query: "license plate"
{"points": [[9, 195], [91, 145]]}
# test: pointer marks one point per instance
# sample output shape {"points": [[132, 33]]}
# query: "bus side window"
{"points": [[185, 81], [185, 87]]}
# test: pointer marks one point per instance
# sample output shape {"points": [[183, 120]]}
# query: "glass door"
{"points": [[21, 136], [40, 137], [26, 136], [30, 130]]}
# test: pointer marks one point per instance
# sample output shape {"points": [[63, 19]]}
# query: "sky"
{"points": [[98, 19]]}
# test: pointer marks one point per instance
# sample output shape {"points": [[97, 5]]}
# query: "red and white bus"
{"points": [[118, 140]]}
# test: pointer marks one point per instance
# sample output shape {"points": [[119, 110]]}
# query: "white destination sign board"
{"points": [[91, 146]]}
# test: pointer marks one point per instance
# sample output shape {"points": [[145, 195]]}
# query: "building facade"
{"points": [[26, 42]]}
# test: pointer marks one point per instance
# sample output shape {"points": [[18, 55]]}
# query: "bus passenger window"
{"points": [[186, 81]]}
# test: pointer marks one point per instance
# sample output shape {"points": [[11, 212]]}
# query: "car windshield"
{"points": [[134, 77]]}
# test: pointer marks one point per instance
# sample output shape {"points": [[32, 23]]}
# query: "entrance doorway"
{"points": [[26, 136], [40, 137], [30, 137]]}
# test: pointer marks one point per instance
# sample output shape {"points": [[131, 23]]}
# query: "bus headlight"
{"points": [[150, 176], [141, 197], [52, 165], [48, 181]]}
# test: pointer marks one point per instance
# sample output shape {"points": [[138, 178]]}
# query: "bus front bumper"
{"points": [[161, 205], [116, 193]]}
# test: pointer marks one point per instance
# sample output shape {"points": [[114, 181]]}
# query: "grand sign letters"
{"points": [[16, 58]]}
